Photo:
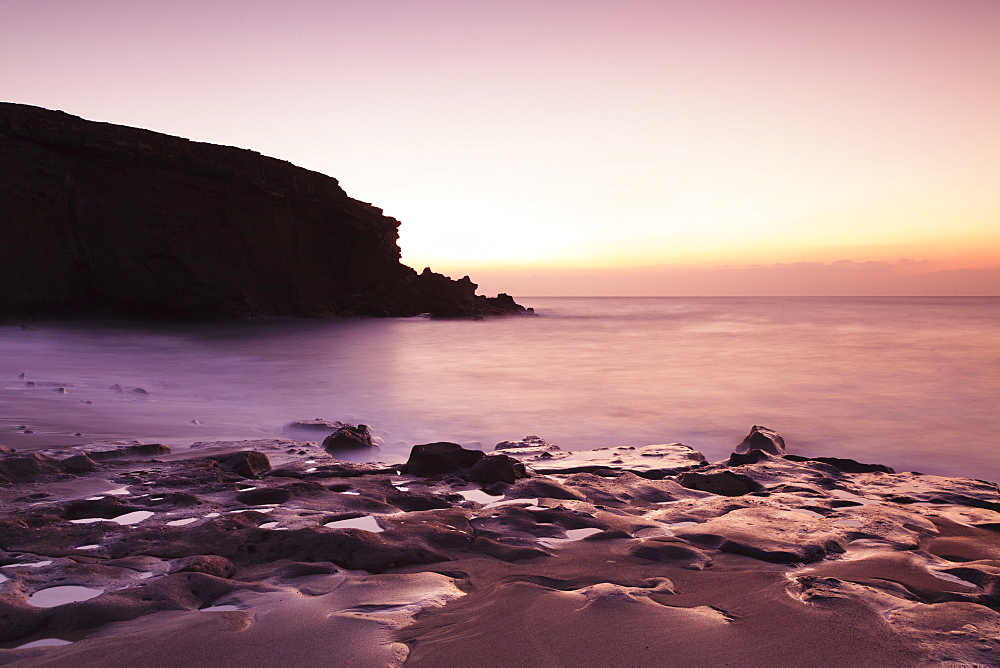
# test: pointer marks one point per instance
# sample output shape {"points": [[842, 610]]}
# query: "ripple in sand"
{"points": [[180, 523], [54, 596], [365, 523]]}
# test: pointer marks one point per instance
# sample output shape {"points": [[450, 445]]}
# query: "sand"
{"points": [[649, 556]]}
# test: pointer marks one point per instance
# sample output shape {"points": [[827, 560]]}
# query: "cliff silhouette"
{"points": [[107, 220]]}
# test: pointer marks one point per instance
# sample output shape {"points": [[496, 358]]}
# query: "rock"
{"points": [[27, 468], [209, 564], [752, 457], [495, 468], [669, 550], [318, 424], [104, 219], [725, 483], [649, 461], [139, 392], [529, 445], [349, 437], [248, 464], [763, 439], [843, 464], [440, 459], [437, 459]]}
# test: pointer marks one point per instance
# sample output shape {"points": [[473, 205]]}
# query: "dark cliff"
{"points": [[101, 219]]}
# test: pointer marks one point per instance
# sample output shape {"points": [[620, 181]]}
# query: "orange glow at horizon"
{"points": [[559, 147]]}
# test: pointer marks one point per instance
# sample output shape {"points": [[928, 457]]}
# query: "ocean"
{"points": [[913, 383]]}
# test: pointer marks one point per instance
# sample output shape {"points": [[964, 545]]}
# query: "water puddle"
{"points": [[128, 518], [88, 547], [268, 525], [33, 564], [512, 502], [45, 642], [954, 579], [220, 608], [180, 523], [848, 522], [54, 596], [365, 523], [571, 536], [848, 496], [478, 495], [3, 578], [211, 515]]}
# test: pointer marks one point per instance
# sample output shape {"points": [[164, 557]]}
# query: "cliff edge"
{"points": [[106, 220]]}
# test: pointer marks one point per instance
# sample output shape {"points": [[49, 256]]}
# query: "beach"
{"points": [[278, 552]]}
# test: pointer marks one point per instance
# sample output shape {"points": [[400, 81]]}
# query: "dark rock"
{"points": [[437, 459], [27, 468], [725, 483], [209, 564], [349, 437], [752, 457], [261, 497], [78, 464], [248, 464], [127, 451], [528, 445], [495, 468], [101, 219], [764, 439], [844, 465]]}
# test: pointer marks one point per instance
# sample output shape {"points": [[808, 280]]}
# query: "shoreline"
{"points": [[276, 549]]}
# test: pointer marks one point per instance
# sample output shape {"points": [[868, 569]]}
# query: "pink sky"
{"points": [[584, 147]]}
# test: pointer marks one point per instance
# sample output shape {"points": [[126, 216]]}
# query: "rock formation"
{"points": [[102, 219]]}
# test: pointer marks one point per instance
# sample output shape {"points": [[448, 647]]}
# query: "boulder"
{"points": [[438, 459], [763, 439], [349, 437], [442, 459], [209, 564]]}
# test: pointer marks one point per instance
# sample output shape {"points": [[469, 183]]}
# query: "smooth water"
{"points": [[909, 382]]}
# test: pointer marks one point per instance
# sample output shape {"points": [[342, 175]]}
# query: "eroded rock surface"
{"points": [[897, 568]]}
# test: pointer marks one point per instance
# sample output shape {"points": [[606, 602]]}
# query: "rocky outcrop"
{"points": [[101, 219]]}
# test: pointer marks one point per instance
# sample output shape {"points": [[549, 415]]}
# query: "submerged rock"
{"points": [[349, 437]]}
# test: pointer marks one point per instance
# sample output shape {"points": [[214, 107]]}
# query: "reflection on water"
{"points": [[910, 382]]}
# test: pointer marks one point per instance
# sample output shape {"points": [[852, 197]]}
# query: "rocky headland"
{"points": [[107, 220], [276, 553]]}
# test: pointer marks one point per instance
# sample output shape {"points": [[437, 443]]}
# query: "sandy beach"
{"points": [[274, 552]]}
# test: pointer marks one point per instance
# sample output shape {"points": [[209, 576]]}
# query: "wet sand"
{"points": [[249, 552]]}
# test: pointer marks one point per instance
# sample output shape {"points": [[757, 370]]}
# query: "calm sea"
{"points": [[909, 382]]}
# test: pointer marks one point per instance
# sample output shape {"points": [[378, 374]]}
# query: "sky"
{"points": [[584, 147]]}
